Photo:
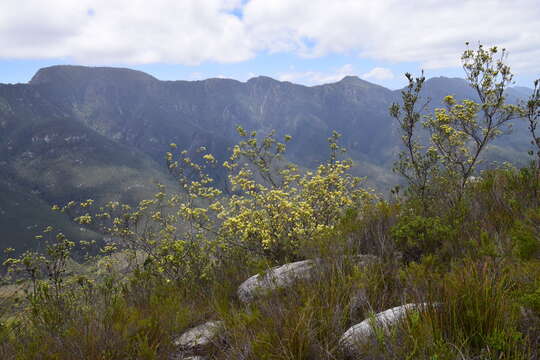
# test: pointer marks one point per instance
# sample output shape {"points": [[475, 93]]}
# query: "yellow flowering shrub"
{"points": [[268, 210], [288, 207], [461, 131], [277, 220]]}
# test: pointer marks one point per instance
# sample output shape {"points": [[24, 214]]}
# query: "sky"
{"points": [[309, 42]]}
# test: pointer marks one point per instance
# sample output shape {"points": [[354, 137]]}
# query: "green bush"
{"points": [[416, 235]]}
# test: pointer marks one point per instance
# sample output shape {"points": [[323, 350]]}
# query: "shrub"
{"points": [[417, 235]]}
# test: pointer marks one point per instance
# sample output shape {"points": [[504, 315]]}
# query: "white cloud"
{"points": [[432, 32], [317, 77], [378, 74], [124, 31]]}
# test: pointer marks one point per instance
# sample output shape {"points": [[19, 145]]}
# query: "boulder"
{"points": [[364, 332], [285, 276], [200, 338], [275, 278]]}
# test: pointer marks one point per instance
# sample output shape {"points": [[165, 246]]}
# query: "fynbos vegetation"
{"points": [[460, 247]]}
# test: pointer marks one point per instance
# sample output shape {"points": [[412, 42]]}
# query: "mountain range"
{"points": [[75, 132]]}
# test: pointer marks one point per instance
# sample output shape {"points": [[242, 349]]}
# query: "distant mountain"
{"points": [[75, 132]]}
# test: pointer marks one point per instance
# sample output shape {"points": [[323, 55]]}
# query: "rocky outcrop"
{"points": [[364, 332]]}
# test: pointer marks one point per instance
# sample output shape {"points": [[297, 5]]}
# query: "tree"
{"points": [[417, 163], [461, 131], [532, 114]]}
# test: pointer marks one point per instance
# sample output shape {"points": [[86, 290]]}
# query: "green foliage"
{"points": [[477, 303], [526, 240], [305, 322], [532, 114], [416, 235], [532, 300], [460, 132], [418, 164], [470, 312], [273, 211]]}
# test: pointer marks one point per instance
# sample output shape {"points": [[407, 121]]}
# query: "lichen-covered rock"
{"points": [[201, 337], [285, 276], [364, 332]]}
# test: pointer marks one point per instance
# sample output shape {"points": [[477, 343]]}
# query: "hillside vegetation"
{"points": [[459, 245], [75, 132]]}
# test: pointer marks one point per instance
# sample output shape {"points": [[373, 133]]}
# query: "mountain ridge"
{"points": [[44, 73], [75, 131]]}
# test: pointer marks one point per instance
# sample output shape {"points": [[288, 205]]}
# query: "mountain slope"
{"points": [[75, 132]]}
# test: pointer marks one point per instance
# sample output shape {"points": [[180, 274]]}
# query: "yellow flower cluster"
{"points": [[303, 207]]}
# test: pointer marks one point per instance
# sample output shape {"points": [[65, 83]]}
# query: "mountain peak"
{"points": [[74, 73], [447, 80], [262, 79], [353, 80]]}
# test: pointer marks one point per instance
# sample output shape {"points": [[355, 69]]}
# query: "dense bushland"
{"points": [[465, 242]]}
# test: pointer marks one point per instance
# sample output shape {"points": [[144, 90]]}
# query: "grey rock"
{"points": [[285, 276], [364, 332], [275, 278], [200, 337]]}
